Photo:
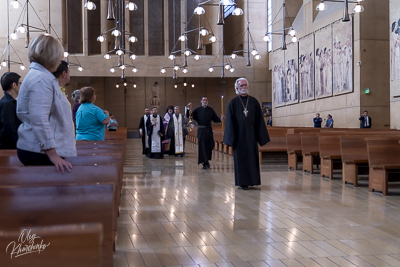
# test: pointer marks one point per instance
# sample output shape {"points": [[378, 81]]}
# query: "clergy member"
{"points": [[143, 131], [175, 133], [245, 129], [204, 115], [155, 131]]}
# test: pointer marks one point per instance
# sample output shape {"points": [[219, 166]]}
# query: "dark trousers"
{"points": [[32, 158]]}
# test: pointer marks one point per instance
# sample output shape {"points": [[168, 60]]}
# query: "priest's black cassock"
{"points": [[204, 116], [142, 129], [244, 133]]}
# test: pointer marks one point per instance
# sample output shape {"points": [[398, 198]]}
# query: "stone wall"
{"points": [[370, 66]]}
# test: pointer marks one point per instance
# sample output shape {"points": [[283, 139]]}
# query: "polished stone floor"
{"points": [[173, 213]]}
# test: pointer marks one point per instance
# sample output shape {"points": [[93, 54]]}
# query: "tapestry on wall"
{"points": [[306, 67], [342, 57], [292, 73], [395, 44], [279, 78], [323, 62]]}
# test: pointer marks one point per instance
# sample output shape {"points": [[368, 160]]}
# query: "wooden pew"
{"points": [[218, 140], [121, 133], [293, 143], [47, 175], [383, 158], [88, 161], [77, 245], [24, 206], [277, 144], [329, 151], [355, 154], [310, 150]]}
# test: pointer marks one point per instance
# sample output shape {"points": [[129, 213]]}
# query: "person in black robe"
{"points": [[171, 132], [142, 130], [204, 115], [245, 129], [155, 125]]}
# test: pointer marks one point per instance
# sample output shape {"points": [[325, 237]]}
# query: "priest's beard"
{"points": [[244, 92]]}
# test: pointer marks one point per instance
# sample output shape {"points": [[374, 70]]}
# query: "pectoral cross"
{"points": [[245, 111]]}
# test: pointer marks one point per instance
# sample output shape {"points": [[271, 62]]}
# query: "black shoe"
{"points": [[244, 187], [206, 165]]}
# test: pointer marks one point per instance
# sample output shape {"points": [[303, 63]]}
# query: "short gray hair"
{"points": [[47, 51], [76, 94], [236, 84]]}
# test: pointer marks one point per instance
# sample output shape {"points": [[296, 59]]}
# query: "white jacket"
{"points": [[45, 114]]}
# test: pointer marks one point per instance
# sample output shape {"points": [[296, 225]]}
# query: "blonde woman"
{"points": [[46, 134]]}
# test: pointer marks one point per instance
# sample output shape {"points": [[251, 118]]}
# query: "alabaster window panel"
{"points": [[342, 57], [306, 67], [174, 26], [156, 27], [136, 22], [74, 29], [279, 78], [94, 28], [292, 73], [323, 62]]}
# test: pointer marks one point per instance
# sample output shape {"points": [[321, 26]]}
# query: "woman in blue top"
{"points": [[329, 121], [90, 119]]}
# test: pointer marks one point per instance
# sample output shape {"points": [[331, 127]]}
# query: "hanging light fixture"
{"points": [[176, 54], [89, 5], [131, 6], [133, 39], [15, 4], [358, 8], [116, 12], [284, 31], [184, 83], [101, 38], [199, 10]]}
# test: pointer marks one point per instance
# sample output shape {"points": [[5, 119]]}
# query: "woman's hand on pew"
{"points": [[58, 162]]}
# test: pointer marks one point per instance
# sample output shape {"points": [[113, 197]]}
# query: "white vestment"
{"points": [[155, 135], [146, 137], [178, 134]]}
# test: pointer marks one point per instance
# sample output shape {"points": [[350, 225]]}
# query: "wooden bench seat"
{"points": [[329, 152], [293, 142], [310, 150], [277, 144], [47, 175], [77, 245], [355, 154], [24, 206], [218, 140], [383, 158]]}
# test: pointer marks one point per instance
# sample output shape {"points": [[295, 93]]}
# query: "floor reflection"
{"points": [[173, 213]]}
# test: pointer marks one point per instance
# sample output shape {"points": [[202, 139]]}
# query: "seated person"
{"points": [[90, 119], [112, 125]]}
